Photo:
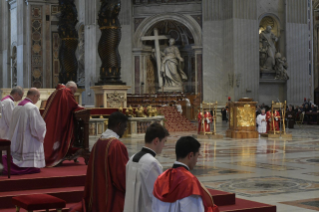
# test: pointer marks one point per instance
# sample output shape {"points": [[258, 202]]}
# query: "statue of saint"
{"points": [[267, 49], [171, 68]]}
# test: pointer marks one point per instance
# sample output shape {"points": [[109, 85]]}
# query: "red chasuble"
{"points": [[178, 183], [200, 117], [272, 124], [58, 116], [105, 178]]}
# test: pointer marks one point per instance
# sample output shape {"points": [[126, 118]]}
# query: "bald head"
{"points": [[72, 86], [17, 93], [34, 95]]}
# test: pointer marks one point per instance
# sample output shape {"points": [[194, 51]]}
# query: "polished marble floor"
{"points": [[279, 172]]}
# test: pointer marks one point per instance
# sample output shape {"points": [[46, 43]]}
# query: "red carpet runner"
{"points": [[176, 122], [67, 182]]}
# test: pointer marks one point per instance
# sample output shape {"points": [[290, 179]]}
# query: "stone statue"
{"points": [[281, 68], [267, 49], [171, 68]]}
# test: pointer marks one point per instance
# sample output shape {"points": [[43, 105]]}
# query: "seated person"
{"points": [[290, 116], [177, 189], [26, 132]]}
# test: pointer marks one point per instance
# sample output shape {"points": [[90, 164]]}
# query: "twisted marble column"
{"points": [[69, 41]]}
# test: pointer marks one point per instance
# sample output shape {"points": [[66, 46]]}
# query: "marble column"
{"points": [[91, 34], [299, 68], [23, 45]]}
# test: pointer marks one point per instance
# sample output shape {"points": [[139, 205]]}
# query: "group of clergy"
{"points": [[268, 121], [116, 183], [37, 140]]}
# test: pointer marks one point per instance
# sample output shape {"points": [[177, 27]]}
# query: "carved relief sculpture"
{"points": [[110, 72], [69, 41], [115, 100], [281, 67], [246, 116]]}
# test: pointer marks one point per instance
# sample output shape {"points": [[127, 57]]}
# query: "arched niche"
{"points": [[188, 36]]}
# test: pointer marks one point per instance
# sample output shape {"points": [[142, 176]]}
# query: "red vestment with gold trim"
{"points": [[178, 183], [105, 178], [58, 116]]}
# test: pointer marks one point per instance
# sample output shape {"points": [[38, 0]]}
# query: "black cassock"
{"points": [[290, 115]]}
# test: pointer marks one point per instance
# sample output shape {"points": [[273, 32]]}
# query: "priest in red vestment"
{"points": [[177, 189], [273, 121], [58, 116], [208, 119], [105, 178]]}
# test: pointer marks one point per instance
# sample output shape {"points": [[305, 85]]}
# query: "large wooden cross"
{"points": [[156, 38]]}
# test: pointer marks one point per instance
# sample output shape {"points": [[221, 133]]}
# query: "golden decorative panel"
{"points": [[231, 117], [246, 116]]}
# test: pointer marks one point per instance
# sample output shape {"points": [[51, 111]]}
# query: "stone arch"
{"points": [[186, 20]]}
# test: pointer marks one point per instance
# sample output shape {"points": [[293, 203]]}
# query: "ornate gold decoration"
{"points": [[115, 100], [246, 116], [140, 112], [129, 111], [231, 117], [36, 73], [110, 27], [151, 111], [36, 48]]}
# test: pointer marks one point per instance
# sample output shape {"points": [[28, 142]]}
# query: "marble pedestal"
{"points": [[110, 96], [137, 125]]}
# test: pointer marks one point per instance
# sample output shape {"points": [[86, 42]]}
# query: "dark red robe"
{"points": [[58, 116], [178, 183], [206, 124], [105, 178], [273, 124]]}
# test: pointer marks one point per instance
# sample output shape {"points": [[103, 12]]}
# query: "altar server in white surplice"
{"points": [[6, 108], [143, 169], [27, 131], [261, 121]]}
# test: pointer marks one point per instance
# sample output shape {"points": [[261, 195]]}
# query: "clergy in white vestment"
{"points": [[143, 169], [6, 108], [26, 132], [261, 121], [177, 189]]}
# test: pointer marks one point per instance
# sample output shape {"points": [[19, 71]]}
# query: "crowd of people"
{"points": [[114, 181], [37, 140]]}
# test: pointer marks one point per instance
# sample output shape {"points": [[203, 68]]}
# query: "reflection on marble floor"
{"points": [[312, 204], [262, 186], [268, 171], [266, 165]]}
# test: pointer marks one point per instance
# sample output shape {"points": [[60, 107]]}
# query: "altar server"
{"points": [[143, 169], [26, 132], [6, 108], [261, 121], [105, 179], [177, 189]]}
